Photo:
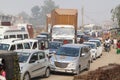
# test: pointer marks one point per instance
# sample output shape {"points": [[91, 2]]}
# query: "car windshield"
{"points": [[63, 30], [54, 45], [68, 51], [4, 46], [91, 45], [23, 57]]}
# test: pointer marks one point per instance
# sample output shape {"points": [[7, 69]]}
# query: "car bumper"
{"points": [[64, 70]]}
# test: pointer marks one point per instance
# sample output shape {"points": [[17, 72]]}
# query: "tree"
{"points": [[24, 16], [39, 13], [116, 14]]}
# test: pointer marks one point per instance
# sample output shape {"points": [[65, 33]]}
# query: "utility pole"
{"points": [[82, 13]]}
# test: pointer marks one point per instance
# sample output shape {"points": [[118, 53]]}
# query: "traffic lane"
{"points": [[57, 76]]}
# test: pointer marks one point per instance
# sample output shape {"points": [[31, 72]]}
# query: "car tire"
{"points": [[79, 70], [47, 73], [27, 76]]}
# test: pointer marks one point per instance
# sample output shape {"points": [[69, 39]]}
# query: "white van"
{"points": [[16, 34], [14, 44]]}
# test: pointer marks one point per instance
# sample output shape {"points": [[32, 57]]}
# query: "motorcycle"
{"points": [[107, 47]]}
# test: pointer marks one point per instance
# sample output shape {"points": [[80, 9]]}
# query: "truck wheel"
{"points": [[47, 73], [26, 76]]}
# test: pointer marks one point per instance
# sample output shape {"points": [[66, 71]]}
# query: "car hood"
{"points": [[52, 50], [60, 58]]}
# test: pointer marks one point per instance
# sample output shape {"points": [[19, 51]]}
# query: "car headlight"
{"points": [[72, 65]]}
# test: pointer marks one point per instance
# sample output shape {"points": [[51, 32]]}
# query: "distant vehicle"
{"points": [[44, 35], [33, 63], [71, 58], [14, 44], [93, 49], [64, 25], [53, 46], [27, 27], [99, 46], [16, 34]]}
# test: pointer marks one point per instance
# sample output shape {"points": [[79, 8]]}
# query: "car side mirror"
{"points": [[83, 54]]}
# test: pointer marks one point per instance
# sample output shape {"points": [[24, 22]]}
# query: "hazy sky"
{"points": [[95, 11]]}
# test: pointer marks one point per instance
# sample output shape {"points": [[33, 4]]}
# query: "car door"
{"points": [[85, 57], [100, 48], [34, 64], [43, 62]]}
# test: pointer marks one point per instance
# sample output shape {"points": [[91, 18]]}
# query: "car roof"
{"points": [[74, 45], [89, 42], [93, 40], [28, 50]]}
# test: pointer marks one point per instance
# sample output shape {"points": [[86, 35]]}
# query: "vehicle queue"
{"points": [[36, 58]]}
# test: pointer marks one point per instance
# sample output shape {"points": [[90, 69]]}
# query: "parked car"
{"points": [[33, 63], [71, 58], [99, 46], [54, 45], [93, 49]]}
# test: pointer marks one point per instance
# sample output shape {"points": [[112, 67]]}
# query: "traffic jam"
{"points": [[63, 48]]}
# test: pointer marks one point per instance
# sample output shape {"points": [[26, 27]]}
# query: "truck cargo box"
{"points": [[65, 17]]}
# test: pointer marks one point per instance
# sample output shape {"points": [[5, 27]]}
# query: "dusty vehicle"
{"points": [[9, 60]]}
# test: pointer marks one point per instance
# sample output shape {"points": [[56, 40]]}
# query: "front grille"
{"points": [[61, 64]]}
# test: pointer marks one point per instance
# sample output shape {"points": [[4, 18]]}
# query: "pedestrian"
{"points": [[2, 72], [118, 47], [81, 40], [42, 46]]}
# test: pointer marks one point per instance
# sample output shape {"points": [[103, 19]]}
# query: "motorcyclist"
{"points": [[107, 43]]}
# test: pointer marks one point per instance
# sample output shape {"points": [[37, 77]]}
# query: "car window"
{"points": [[34, 57], [35, 45], [85, 49], [12, 47], [26, 45], [41, 55], [19, 46]]}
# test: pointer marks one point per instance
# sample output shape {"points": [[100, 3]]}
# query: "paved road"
{"points": [[105, 59]]}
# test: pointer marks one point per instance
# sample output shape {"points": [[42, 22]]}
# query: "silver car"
{"points": [[71, 58], [33, 63]]}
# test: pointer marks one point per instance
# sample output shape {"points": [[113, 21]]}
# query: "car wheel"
{"points": [[47, 73], [26, 76], [79, 70]]}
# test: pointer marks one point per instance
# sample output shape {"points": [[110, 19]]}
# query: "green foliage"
{"points": [[116, 14]]}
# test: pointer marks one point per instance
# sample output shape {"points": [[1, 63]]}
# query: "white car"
{"points": [[33, 63], [93, 49], [99, 46]]}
